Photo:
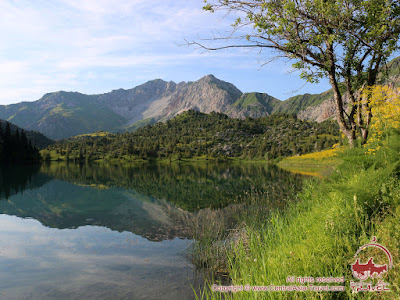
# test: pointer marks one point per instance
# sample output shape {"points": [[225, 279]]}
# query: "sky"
{"points": [[95, 46]]}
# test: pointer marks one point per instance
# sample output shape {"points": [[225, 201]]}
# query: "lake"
{"points": [[71, 231]]}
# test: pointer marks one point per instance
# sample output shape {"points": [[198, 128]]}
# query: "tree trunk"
{"points": [[364, 135], [351, 137], [348, 128]]}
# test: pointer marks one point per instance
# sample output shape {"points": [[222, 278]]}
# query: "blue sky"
{"points": [[95, 46]]}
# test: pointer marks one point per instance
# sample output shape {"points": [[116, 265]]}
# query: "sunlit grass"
{"points": [[318, 155], [317, 164], [95, 134], [318, 235]]}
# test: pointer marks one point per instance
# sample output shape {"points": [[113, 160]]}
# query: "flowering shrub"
{"points": [[385, 107], [321, 154]]}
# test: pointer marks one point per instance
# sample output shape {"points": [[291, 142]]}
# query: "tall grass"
{"points": [[217, 232], [318, 235]]}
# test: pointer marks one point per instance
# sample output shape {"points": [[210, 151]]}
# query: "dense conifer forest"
{"points": [[194, 134], [15, 146]]}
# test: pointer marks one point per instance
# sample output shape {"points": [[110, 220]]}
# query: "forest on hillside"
{"points": [[195, 134], [15, 146]]}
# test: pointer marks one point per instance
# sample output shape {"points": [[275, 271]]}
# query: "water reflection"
{"points": [[157, 202], [188, 186], [15, 179], [88, 263], [115, 232]]}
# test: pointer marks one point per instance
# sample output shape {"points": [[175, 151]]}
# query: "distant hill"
{"points": [[296, 104], [64, 114], [254, 105]]}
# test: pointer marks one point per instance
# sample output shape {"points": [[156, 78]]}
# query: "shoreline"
{"points": [[318, 234]]}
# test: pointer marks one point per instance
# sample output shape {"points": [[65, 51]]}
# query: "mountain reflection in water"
{"points": [[73, 231], [154, 201]]}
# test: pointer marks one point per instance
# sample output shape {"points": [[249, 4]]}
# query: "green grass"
{"points": [[318, 235]]}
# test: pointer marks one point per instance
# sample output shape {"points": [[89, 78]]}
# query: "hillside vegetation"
{"points": [[15, 146], [37, 139], [298, 103], [207, 136]]}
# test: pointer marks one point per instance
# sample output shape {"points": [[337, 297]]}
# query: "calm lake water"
{"points": [[114, 232]]}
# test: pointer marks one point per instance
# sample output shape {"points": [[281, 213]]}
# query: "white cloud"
{"points": [[48, 46]]}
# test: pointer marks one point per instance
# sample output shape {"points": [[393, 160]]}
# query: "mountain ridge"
{"points": [[63, 114]]}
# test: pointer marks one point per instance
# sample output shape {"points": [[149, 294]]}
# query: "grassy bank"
{"points": [[318, 235]]}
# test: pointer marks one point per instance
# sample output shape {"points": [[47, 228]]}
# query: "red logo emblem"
{"points": [[370, 269]]}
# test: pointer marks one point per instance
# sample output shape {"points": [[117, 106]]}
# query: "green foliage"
{"points": [[344, 41], [37, 139], [315, 32], [209, 136]]}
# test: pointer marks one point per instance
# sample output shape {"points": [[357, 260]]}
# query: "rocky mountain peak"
{"points": [[209, 77]]}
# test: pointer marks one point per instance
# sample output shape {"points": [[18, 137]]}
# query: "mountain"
{"points": [[160, 100], [206, 95], [298, 103], [65, 114], [61, 114], [311, 107]]}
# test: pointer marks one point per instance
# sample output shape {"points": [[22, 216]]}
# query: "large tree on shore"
{"points": [[346, 41]]}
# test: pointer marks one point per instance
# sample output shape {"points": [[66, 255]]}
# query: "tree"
{"points": [[346, 41], [7, 133]]}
